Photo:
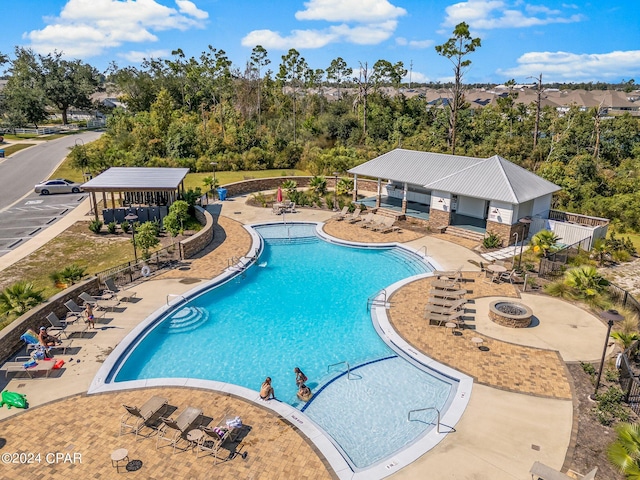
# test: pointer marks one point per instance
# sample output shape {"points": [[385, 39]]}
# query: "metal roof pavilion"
{"points": [[119, 179]]}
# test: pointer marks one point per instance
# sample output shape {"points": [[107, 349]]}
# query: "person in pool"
{"points": [[266, 391], [304, 393], [300, 377]]}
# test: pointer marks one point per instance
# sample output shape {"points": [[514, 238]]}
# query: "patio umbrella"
{"points": [[279, 195]]}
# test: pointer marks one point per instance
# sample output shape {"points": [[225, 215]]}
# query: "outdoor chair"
{"points": [[445, 309], [450, 294], [212, 440], [442, 318], [75, 311], [368, 221], [388, 225], [120, 293], [172, 431], [135, 419], [381, 223], [540, 471], [449, 274], [33, 343], [341, 215], [355, 216], [18, 365], [64, 327], [506, 276], [99, 303], [446, 302]]}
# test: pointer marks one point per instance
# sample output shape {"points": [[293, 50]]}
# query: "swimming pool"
{"points": [[304, 303]]}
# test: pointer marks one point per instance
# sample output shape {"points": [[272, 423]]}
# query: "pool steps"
{"points": [[186, 319]]}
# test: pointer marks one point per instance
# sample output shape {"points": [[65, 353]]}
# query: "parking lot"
{"points": [[31, 215]]}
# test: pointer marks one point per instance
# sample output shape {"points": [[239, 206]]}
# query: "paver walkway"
{"points": [[87, 427], [503, 365]]}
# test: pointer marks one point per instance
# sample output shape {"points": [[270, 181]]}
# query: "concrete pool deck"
{"points": [[504, 430]]}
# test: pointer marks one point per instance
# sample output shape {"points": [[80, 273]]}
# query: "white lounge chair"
{"points": [[18, 365], [341, 215], [355, 216]]}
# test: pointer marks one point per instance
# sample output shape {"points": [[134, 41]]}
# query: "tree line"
{"points": [[194, 111]]}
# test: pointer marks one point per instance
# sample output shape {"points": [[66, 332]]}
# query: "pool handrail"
{"points": [[424, 247], [371, 301], [423, 410], [176, 295], [340, 363]]}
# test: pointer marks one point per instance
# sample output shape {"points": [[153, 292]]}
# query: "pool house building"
{"points": [[468, 196]]}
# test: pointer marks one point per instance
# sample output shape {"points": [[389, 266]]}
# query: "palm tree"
{"points": [[318, 184], [624, 453], [544, 241], [624, 340], [586, 280], [19, 298], [600, 250]]}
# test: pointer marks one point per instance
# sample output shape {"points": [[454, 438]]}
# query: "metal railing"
{"points": [[577, 218], [424, 410], [372, 299], [424, 247], [176, 295], [340, 363], [131, 271], [554, 263]]}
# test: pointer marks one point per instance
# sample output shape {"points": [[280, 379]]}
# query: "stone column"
{"points": [[404, 197], [379, 193], [355, 187]]}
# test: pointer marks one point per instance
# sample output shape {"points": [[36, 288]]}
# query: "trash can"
{"points": [[222, 194], [1, 153]]}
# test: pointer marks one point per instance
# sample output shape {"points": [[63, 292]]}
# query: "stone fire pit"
{"points": [[510, 314]]}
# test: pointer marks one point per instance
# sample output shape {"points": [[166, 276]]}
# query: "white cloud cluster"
{"points": [[566, 66], [491, 14], [403, 42], [87, 28], [363, 22]]}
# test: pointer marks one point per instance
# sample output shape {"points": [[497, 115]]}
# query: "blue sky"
{"points": [[565, 41]]}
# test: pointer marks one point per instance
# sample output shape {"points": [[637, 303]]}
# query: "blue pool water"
{"points": [[304, 304]]}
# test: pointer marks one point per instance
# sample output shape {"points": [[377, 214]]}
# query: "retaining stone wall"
{"points": [[200, 240]]}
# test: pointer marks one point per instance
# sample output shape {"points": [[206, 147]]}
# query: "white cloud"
{"points": [[363, 22], [89, 27], [566, 66], [490, 14], [361, 11], [403, 42], [416, 77], [135, 56]]}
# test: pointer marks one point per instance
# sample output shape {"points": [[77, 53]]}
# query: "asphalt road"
{"points": [[24, 213], [22, 170]]}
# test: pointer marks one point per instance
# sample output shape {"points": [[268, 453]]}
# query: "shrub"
{"points": [[560, 289], [610, 407], [621, 256], [111, 227], [492, 240], [19, 298], [125, 226], [588, 368], [68, 275], [260, 199], [95, 226], [147, 238]]}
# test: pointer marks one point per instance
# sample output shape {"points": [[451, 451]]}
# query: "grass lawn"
{"points": [[16, 147], [194, 180], [77, 245]]}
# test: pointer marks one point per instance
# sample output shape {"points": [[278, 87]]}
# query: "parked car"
{"points": [[58, 185]]}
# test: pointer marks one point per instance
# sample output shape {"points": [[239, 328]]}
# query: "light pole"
{"points": [[131, 218], [213, 186], [335, 196], [515, 247], [524, 221], [610, 316]]}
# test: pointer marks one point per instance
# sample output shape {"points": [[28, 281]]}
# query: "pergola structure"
{"points": [[137, 186]]}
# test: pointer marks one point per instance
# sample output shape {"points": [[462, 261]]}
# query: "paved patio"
{"points": [[522, 398]]}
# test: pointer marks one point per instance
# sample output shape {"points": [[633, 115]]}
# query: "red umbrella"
{"points": [[279, 195]]}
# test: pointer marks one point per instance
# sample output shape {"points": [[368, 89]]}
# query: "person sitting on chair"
{"points": [[304, 393], [46, 339], [266, 391]]}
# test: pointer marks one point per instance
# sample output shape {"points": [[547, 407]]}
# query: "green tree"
{"points": [[258, 60], [67, 83], [338, 72], [318, 185], [180, 209], [292, 69], [146, 238], [19, 298], [624, 453], [173, 225], [456, 49], [586, 281]]}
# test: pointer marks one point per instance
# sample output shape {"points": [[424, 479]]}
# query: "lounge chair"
{"points": [[368, 221], [213, 438], [451, 294], [33, 343], [446, 302], [172, 431], [388, 225], [449, 274], [442, 318], [381, 223], [75, 312], [341, 215], [445, 309], [444, 284], [18, 365], [540, 471], [137, 418], [64, 327], [355, 216], [99, 303], [120, 293]]}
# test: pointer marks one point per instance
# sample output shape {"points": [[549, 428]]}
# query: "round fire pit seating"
{"points": [[510, 314]]}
